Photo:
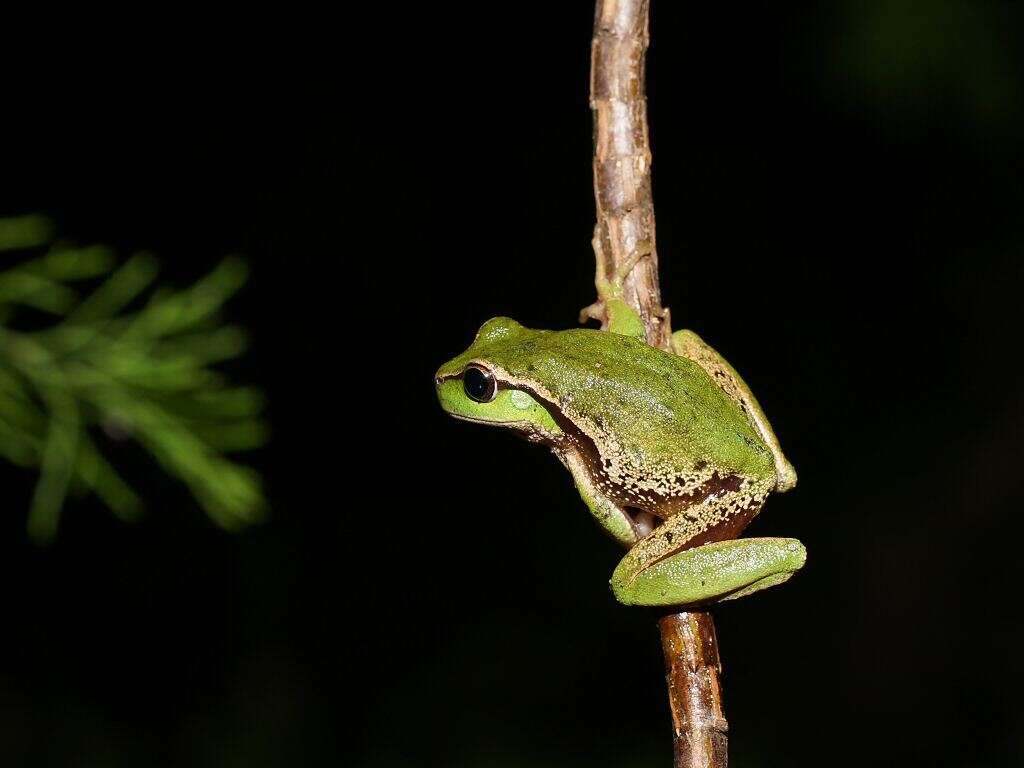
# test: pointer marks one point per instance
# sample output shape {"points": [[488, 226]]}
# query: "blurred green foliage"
{"points": [[122, 360], [906, 54]]}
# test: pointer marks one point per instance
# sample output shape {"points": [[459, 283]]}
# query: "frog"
{"points": [[669, 449]]}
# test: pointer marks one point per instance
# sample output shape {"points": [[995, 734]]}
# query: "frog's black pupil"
{"points": [[479, 385]]}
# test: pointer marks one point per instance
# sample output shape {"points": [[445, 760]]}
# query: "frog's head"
{"points": [[476, 386]]}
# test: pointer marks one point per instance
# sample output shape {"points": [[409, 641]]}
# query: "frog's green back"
{"points": [[660, 408]]}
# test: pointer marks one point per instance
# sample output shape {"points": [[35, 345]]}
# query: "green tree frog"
{"points": [[670, 452]]}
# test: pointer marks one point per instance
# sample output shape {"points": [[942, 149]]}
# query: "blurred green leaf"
{"points": [[121, 364], [24, 232]]}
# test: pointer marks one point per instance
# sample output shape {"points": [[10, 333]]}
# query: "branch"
{"points": [[624, 231], [622, 160], [700, 732]]}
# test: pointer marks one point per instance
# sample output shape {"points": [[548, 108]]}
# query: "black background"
{"points": [[839, 202]]}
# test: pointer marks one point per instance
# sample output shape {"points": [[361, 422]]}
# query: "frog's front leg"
{"points": [[655, 573], [609, 515]]}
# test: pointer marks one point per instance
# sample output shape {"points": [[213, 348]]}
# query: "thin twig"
{"points": [[624, 232], [622, 160], [699, 730]]}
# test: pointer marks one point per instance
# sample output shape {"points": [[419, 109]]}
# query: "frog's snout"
{"points": [[440, 376], [438, 381], [447, 396]]}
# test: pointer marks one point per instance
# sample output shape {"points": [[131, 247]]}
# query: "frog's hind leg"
{"points": [[619, 316], [610, 308], [659, 570], [722, 570], [691, 346]]}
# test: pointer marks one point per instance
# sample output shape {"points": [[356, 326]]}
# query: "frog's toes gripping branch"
{"points": [[722, 570]]}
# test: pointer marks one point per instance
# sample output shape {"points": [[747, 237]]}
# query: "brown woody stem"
{"points": [[624, 232], [700, 732], [622, 160]]}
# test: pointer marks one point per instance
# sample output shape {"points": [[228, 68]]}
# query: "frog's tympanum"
{"points": [[671, 452]]}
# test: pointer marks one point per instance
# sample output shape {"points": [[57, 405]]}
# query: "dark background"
{"points": [[839, 202]]}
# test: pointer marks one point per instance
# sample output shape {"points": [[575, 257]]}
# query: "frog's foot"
{"points": [[610, 308], [593, 311], [723, 570], [643, 249], [618, 315]]}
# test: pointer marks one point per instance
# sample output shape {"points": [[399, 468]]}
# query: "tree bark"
{"points": [[622, 160], [625, 235], [700, 732]]}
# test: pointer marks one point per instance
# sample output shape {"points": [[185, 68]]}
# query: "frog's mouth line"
{"points": [[520, 423]]}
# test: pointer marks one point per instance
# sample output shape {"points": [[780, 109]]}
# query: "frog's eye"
{"points": [[479, 384]]}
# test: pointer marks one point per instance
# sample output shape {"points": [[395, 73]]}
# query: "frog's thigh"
{"points": [[722, 570], [691, 346]]}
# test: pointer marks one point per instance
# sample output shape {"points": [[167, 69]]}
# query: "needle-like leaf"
{"points": [[120, 365]]}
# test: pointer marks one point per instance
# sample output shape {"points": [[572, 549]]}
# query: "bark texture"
{"points": [[624, 236], [622, 160], [700, 732]]}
